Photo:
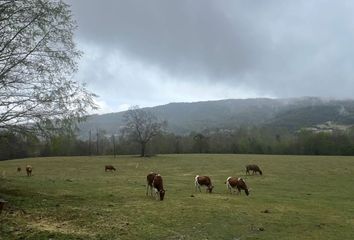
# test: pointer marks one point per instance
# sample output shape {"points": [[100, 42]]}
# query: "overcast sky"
{"points": [[147, 53]]}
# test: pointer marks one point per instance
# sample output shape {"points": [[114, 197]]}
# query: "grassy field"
{"points": [[306, 197]]}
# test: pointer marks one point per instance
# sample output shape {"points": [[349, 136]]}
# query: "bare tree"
{"points": [[38, 58], [141, 126]]}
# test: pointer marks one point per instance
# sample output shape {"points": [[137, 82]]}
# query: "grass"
{"points": [[306, 197]]}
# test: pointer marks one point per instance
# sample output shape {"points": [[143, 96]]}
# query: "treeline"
{"points": [[244, 140]]}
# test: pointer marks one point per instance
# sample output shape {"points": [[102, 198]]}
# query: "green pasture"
{"points": [[298, 197]]}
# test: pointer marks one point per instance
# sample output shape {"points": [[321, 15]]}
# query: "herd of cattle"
{"points": [[28, 170], [155, 182]]}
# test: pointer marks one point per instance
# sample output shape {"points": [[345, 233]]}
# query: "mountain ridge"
{"points": [[185, 117]]}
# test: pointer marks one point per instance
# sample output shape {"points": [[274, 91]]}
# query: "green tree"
{"points": [[201, 143], [38, 58], [13, 145]]}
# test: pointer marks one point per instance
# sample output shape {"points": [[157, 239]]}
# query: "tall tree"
{"points": [[38, 58], [141, 126], [201, 143]]}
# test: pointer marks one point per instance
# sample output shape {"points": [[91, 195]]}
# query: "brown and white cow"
{"points": [[239, 183], [203, 181], [254, 168], [109, 168], [157, 185], [149, 179], [154, 182], [29, 170]]}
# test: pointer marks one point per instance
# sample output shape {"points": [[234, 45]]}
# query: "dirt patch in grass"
{"points": [[59, 227]]}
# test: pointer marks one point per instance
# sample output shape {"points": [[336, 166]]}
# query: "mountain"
{"points": [[305, 114], [182, 118]]}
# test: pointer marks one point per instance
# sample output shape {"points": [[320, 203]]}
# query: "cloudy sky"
{"points": [[147, 53]]}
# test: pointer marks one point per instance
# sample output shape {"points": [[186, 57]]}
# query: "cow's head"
{"points": [[210, 188], [162, 194]]}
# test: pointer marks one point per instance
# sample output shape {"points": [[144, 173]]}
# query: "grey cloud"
{"points": [[282, 48]]}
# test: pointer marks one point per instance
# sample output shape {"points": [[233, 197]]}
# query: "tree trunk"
{"points": [[143, 146]]}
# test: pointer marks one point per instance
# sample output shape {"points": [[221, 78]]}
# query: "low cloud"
{"points": [[154, 52]]}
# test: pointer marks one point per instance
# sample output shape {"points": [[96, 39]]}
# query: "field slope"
{"points": [[298, 197]]}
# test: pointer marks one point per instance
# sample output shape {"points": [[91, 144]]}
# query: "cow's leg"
{"points": [[147, 189], [156, 194], [229, 187], [197, 186]]}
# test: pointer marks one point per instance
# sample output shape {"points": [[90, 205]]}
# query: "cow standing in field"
{"points": [[239, 183], [254, 168], [18, 169], [203, 181], [149, 179], [157, 184], [29, 170], [109, 168], [154, 182]]}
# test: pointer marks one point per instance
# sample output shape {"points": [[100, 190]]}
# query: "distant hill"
{"points": [[307, 114], [182, 118]]}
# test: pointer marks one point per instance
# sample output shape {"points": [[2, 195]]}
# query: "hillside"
{"points": [[183, 118], [311, 115]]}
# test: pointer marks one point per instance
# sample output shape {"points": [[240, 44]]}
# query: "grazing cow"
{"points": [[18, 169], [149, 179], [254, 168], [29, 170], [203, 181], [157, 184], [239, 183], [109, 168]]}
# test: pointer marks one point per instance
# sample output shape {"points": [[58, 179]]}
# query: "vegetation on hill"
{"points": [[183, 118], [296, 126]]}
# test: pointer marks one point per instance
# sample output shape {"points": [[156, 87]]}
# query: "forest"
{"points": [[242, 140]]}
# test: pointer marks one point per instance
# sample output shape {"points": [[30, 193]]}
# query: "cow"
{"points": [[29, 170], [157, 184], [254, 168], [239, 183], [18, 169], [154, 182], [109, 168], [203, 181], [149, 179]]}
